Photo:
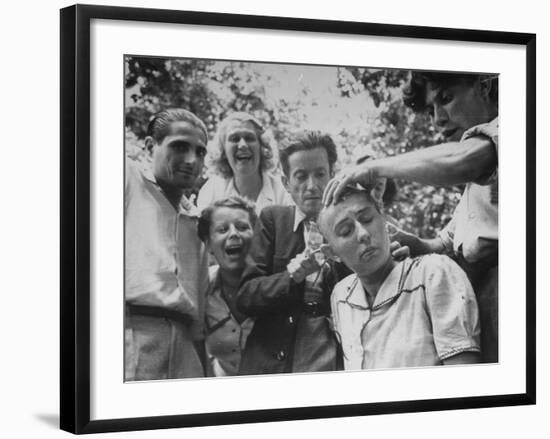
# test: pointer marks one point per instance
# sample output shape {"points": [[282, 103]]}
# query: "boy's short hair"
{"points": [[355, 189], [234, 202], [349, 191]]}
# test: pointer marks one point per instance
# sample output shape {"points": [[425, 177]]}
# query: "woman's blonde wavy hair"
{"points": [[217, 160]]}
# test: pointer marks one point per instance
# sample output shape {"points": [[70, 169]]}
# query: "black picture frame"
{"points": [[75, 217]]}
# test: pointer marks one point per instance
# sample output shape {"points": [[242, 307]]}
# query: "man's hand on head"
{"points": [[364, 174]]}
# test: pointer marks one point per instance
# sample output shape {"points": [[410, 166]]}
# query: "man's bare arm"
{"points": [[439, 165], [442, 165]]}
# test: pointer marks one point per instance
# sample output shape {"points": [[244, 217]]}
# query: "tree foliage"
{"points": [[360, 107]]}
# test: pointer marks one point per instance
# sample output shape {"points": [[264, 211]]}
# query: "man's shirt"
{"points": [[473, 230], [165, 261]]}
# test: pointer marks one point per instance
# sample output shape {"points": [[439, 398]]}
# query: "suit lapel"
{"points": [[296, 238]]}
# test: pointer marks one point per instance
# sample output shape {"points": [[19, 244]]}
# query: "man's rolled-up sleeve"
{"points": [[490, 131]]}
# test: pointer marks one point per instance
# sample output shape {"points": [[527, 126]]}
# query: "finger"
{"points": [[341, 185], [292, 266], [310, 263], [394, 245], [401, 253], [394, 230], [299, 273], [301, 256], [392, 227], [326, 250], [327, 195]]}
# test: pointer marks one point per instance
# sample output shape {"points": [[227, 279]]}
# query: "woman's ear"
{"points": [[379, 188]]}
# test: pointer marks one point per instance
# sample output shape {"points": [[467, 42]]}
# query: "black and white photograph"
{"points": [[275, 219], [295, 218]]}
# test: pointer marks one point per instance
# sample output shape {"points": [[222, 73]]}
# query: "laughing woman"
{"points": [[226, 227], [242, 159]]}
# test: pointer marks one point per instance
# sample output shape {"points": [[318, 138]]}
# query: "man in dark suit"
{"points": [[287, 284]]}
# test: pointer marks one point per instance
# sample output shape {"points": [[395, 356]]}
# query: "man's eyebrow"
{"points": [[187, 142], [179, 140]]}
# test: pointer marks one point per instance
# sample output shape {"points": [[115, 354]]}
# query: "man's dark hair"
{"points": [[159, 124], [414, 92], [307, 141]]}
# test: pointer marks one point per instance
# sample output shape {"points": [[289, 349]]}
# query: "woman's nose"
{"points": [[242, 142]]}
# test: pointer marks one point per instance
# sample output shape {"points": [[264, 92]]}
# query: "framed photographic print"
{"points": [[305, 218]]}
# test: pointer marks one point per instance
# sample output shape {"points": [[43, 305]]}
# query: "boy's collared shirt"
{"points": [[424, 313], [272, 192], [226, 337]]}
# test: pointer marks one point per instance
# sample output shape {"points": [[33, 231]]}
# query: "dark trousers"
{"points": [[483, 276]]}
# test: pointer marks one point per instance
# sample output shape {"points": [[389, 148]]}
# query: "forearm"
{"points": [[419, 246], [463, 358], [266, 294], [441, 165]]}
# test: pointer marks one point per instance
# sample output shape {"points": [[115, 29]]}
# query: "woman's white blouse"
{"points": [[272, 192]]}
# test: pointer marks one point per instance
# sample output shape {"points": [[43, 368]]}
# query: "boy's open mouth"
{"points": [[234, 249]]}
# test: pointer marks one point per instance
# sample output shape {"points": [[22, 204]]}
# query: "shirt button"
{"points": [[234, 330], [233, 350], [290, 320], [281, 355], [472, 215]]}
